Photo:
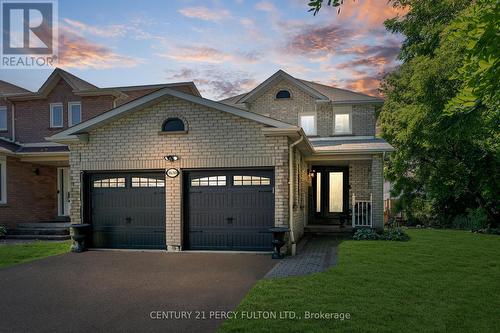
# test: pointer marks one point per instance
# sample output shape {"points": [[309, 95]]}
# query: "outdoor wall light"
{"points": [[311, 173], [171, 158]]}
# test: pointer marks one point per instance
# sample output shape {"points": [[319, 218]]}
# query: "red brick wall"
{"points": [[33, 117], [30, 197]]}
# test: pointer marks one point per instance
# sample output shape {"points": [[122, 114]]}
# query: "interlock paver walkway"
{"points": [[315, 254]]}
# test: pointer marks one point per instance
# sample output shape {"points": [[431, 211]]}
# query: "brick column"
{"points": [[174, 212], [378, 191]]}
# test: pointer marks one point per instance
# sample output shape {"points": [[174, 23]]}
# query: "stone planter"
{"points": [[79, 235]]}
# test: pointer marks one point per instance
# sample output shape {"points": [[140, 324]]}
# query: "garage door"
{"points": [[128, 210], [229, 210]]}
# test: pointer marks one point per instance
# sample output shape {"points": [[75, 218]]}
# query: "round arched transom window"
{"points": [[283, 94], [173, 125]]}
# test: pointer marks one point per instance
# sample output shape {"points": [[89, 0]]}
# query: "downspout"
{"points": [[12, 121], [290, 193]]}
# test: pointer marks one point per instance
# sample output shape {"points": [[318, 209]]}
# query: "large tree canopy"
{"points": [[442, 110]]}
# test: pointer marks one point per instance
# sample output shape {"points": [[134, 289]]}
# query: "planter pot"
{"points": [[278, 241], [79, 235]]}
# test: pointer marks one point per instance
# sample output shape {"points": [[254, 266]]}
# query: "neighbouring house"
{"points": [[170, 169], [34, 173]]}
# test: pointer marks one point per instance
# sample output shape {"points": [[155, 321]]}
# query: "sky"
{"points": [[226, 47]]}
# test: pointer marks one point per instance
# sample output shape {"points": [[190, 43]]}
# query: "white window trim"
{"points": [[52, 105], [312, 113], [3, 181], [70, 114], [343, 111], [4, 108]]}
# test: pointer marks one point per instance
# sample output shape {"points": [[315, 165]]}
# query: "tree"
{"points": [[315, 5], [442, 110]]}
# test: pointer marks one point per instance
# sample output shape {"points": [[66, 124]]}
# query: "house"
{"points": [[34, 173], [171, 169]]}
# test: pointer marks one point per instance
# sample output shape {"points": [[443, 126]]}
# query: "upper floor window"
{"points": [[74, 113], [342, 120], [282, 94], [308, 123], [3, 118], [173, 125], [3, 179], [56, 115]]}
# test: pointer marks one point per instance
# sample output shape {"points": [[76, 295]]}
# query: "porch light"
{"points": [[171, 158], [311, 173]]}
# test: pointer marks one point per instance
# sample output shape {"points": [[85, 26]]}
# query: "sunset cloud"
{"points": [[216, 81], [206, 14], [266, 6], [206, 54], [78, 27], [77, 52]]}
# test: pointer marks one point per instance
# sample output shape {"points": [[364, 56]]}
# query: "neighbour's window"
{"points": [[342, 120], [109, 182], [283, 94], [3, 179], [308, 123], [173, 125], [56, 115], [3, 118], [74, 113], [147, 182], [250, 180], [209, 181]]}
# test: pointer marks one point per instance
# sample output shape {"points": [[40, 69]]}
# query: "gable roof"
{"points": [[73, 133], [320, 91], [261, 88], [7, 88]]}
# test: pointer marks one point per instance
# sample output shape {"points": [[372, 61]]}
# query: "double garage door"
{"points": [[223, 210]]}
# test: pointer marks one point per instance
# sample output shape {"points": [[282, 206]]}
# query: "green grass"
{"points": [[11, 254], [441, 280]]}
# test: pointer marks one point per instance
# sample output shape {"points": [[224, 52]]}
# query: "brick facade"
{"points": [[288, 110], [31, 193], [215, 139]]}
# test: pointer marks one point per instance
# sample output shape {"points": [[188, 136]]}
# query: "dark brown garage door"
{"points": [[128, 210], [229, 210]]}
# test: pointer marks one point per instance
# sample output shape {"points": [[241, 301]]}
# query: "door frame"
{"points": [[325, 170], [63, 191]]}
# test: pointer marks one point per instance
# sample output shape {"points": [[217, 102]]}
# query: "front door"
{"points": [[331, 193], [63, 189]]}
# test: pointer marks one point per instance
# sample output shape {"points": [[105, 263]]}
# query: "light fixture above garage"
{"points": [[171, 158]]}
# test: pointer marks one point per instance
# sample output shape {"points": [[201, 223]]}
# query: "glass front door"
{"points": [[331, 192]]}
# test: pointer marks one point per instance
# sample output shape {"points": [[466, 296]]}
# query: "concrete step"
{"points": [[39, 237], [48, 225], [328, 229], [39, 231]]}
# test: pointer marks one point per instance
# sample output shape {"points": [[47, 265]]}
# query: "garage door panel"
{"points": [[235, 216], [127, 216]]}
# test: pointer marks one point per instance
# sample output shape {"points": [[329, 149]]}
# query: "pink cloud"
{"points": [[206, 54], [266, 6], [206, 14]]}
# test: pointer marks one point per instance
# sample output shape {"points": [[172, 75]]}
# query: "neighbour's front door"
{"points": [[331, 193], [63, 189]]}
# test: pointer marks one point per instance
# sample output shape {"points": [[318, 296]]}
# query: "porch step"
{"points": [[39, 231], [39, 237], [328, 229], [47, 225]]}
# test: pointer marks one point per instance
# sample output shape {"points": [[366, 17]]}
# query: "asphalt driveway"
{"points": [[116, 291]]}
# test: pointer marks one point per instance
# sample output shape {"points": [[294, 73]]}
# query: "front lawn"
{"points": [[441, 280], [11, 254]]}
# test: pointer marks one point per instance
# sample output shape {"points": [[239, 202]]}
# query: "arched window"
{"points": [[173, 125], [282, 94]]}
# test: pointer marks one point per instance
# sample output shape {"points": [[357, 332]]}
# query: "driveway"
{"points": [[118, 291]]}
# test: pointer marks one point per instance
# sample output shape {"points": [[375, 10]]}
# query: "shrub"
{"points": [[395, 234], [365, 234], [474, 219]]}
